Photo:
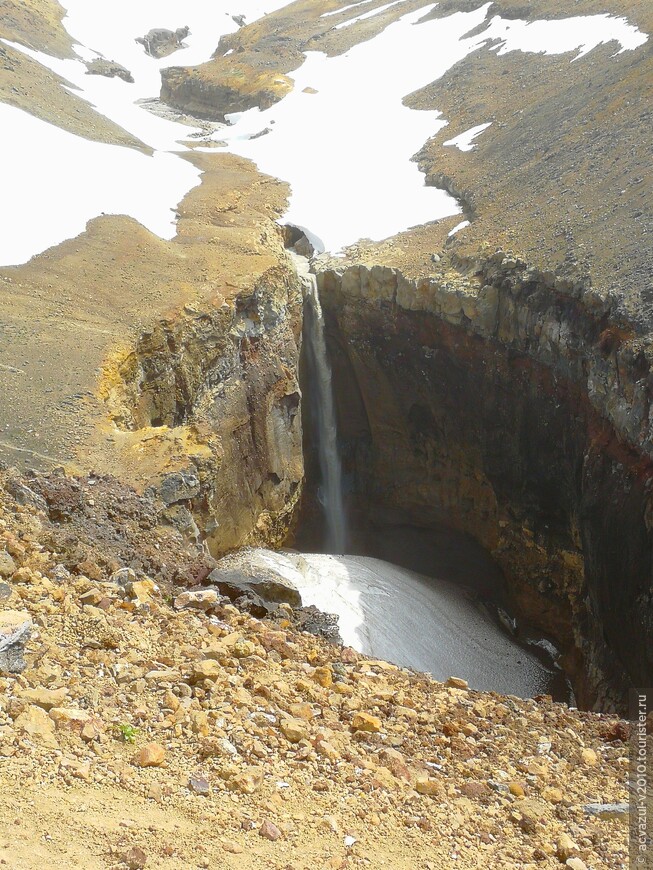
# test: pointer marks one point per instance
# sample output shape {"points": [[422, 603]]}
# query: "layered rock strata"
{"points": [[513, 405]]}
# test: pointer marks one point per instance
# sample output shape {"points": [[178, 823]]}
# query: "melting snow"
{"points": [[345, 151], [369, 14], [465, 141]]}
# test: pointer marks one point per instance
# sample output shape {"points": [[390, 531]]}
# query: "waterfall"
{"points": [[326, 435]]}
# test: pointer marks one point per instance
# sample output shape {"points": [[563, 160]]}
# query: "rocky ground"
{"points": [[152, 727]]}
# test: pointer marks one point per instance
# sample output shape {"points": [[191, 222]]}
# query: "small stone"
{"points": [[475, 790], [247, 782], [91, 597], [150, 755], [565, 847], [81, 721], [202, 599], [123, 576], [323, 676], [329, 824], [135, 858], [328, 750], [516, 789], [208, 669], [576, 864], [457, 683], [552, 795], [243, 648], [199, 785], [142, 590], [45, 698], [294, 730], [232, 846], [155, 792], [589, 757], [7, 564], [428, 786], [269, 831], [395, 762], [80, 769], [366, 722], [302, 711]]}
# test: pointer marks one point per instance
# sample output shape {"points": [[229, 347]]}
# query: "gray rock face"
{"points": [[250, 571], [179, 486], [15, 629], [108, 68], [160, 42], [7, 564], [609, 811]]}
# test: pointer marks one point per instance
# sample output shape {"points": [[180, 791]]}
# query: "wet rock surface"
{"points": [[480, 396]]}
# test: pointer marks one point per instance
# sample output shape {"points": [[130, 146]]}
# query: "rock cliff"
{"points": [[513, 405]]}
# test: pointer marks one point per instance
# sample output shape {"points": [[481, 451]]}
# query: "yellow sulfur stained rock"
{"points": [[366, 722]]}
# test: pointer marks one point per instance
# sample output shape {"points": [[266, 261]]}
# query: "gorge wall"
{"points": [[219, 385], [514, 406]]}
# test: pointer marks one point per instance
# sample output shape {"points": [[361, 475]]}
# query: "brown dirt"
{"points": [[73, 308], [37, 24]]}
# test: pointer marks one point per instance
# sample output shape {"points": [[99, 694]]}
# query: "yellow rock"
{"points": [[208, 669], [516, 789], [151, 755], [327, 750], [294, 730], [565, 847], [45, 698], [247, 782], [589, 757], [323, 676], [456, 683], [38, 725], [427, 785], [366, 722], [302, 711], [552, 795]]}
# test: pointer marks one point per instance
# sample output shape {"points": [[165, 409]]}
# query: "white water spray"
{"points": [[325, 415]]}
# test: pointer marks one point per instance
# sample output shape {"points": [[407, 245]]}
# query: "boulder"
{"points": [[108, 68], [160, 42], [251, 571], [36, 723]]}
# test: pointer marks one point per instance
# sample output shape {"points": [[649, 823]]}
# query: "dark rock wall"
{"points": [[442, 423]]}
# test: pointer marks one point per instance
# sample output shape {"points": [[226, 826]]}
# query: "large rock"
{"points": [[15, 628], [160, 42], [36, 723], [252, 571], [108, 68]]}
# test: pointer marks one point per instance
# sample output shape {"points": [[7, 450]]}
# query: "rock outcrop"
{"points": [[181, 359], [513, 405]]}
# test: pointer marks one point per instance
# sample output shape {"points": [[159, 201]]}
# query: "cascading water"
{"points": [[325, 416]]}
